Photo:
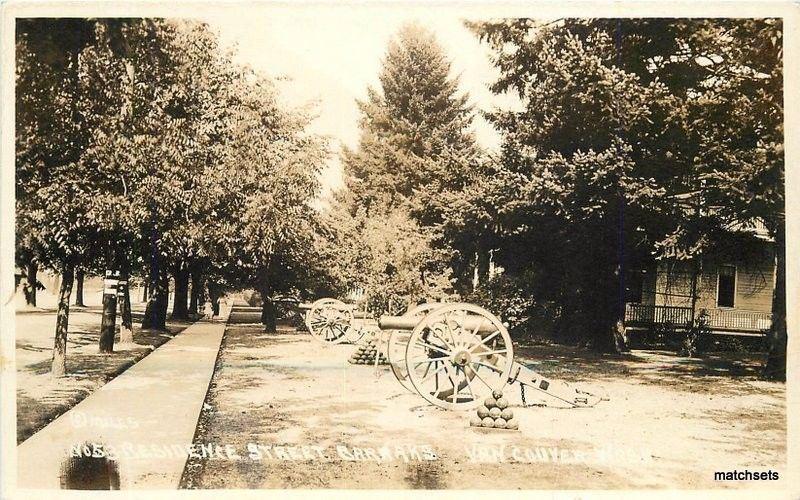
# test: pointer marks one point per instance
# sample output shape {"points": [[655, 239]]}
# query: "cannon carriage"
{"points": [[454, 355], [457, 355], [332, 321]]}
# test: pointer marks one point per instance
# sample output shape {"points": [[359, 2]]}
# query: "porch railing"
{"points": [[647, 315], [739, 321], [723, 320]]}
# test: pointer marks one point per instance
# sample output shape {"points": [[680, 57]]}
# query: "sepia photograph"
{"points": [[386, 246]]}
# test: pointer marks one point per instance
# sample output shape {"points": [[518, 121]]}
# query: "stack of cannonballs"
{"points": [[366, 353], [494, 413]]}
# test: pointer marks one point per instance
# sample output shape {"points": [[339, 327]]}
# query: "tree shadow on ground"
{"points": [[31, 347], [50, 311], [87, 371], [730, 365], [652, 367]]}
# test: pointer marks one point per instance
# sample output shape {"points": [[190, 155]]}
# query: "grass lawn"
{"points": [[40, 398]]}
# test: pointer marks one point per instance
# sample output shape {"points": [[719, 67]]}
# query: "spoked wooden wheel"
{"points": [[328, 320], [423, 309], [457, 355], [398, 342]]}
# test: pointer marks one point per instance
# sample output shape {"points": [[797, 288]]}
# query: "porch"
{"points": [[720, 321]]}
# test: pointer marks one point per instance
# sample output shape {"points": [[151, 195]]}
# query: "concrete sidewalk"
{"points": [[145, 418]]}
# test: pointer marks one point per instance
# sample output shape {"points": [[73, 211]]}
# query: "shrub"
{"points": [[697, 339], [507, 297]]}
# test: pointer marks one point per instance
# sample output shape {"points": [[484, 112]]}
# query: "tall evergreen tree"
{"points": [[415, 145], [415, 132]]}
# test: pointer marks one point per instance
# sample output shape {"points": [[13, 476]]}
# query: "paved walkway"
{"points": [[146, 417]]}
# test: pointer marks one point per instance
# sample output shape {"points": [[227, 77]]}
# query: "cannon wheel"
{"points": [[328, 320], [398, 341], [453, 367]]}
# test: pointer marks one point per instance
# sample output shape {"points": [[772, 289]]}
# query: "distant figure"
{"points": [[208, 310]]}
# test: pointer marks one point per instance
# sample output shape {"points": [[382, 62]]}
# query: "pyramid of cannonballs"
{"points": [[366, 353], [494, 413]]}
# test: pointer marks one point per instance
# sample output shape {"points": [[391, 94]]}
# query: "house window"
{"points": [[726, 286]]}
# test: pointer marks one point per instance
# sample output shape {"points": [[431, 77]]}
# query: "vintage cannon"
{"points": [[397, 341], [332, 321], [456, 355]]}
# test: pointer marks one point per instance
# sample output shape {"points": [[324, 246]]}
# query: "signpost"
{"points": [[109, 321]]}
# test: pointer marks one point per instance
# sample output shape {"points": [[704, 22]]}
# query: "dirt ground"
{"points": [[294, 413], [40, 398]]}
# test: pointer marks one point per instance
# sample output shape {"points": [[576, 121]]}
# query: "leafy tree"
{"points": [[175, 159], [153, 142], [263, 222], [388, 258], [621, 118], [54, 228], [581, 187]]}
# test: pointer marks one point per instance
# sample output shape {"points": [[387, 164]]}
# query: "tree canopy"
{"points": [[141, 146], [416, 143], [621, 120]]}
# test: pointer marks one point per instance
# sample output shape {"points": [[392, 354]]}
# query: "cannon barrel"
{"points": [[411, 322], [357, 314], [306, 306]]}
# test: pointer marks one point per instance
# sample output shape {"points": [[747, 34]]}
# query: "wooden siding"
{"points": [[755, 280]]}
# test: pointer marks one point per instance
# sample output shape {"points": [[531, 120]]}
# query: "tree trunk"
{"points": [[608, 338], [153, 317], [179, 306], [59, 365], [618, 336], [144, 291], [775, 367], [197, 290], [108, 324], [213, 295], [163, 299], [124, 297], [268, 316], [606, 308], [31, 288], [79, 275], [268, 313]]}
